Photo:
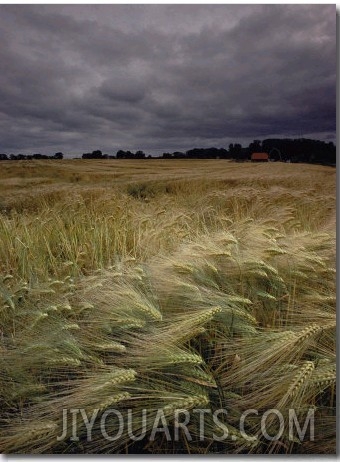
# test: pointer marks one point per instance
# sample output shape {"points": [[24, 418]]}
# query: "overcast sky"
{"points": [[75, 78]]}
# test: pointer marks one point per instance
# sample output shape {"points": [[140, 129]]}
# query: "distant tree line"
{"points": [[57, 155], [284, 149], [120, 155]]}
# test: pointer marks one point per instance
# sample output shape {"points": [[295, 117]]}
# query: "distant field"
{"points": [[166, 284]]}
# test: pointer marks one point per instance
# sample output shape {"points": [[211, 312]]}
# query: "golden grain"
{"points": [[165, 285]]}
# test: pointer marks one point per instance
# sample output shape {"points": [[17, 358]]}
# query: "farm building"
{"points": [[259, 157]]}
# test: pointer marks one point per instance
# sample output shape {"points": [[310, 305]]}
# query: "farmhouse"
{"points": [[259, 157]]}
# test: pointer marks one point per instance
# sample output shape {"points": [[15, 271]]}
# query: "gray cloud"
{"points": [[164, 77]]}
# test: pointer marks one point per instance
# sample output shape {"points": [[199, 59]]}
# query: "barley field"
{"points": [[158, 286]]}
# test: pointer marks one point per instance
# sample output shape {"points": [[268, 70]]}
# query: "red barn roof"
{"points": [[259, 156]]}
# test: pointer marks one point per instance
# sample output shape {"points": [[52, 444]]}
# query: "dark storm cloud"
{"points": [[164, 77]]}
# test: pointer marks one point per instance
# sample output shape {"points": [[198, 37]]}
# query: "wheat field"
{"points": [[166, 285]]}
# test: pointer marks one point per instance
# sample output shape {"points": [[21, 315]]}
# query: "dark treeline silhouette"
{"points": [[280, 149], [120, 155], [285, 150], [57, 155], [94, 155]]}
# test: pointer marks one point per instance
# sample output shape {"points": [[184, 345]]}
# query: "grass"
{"points": [[165, 285]]}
